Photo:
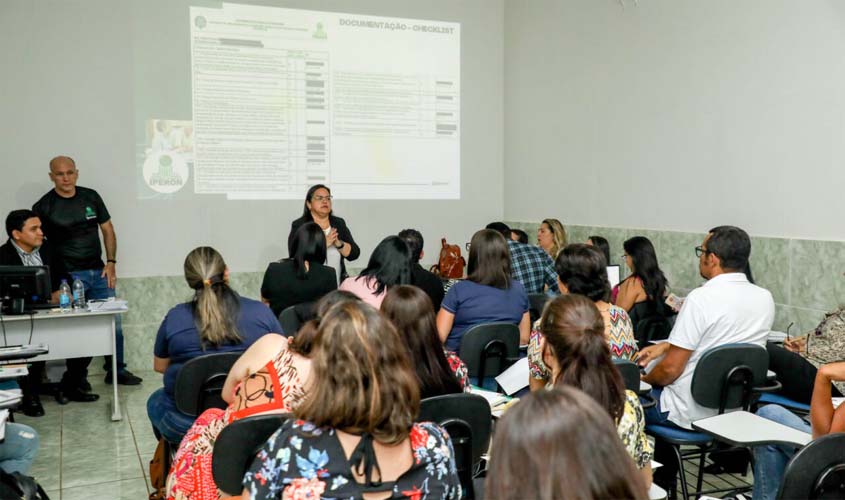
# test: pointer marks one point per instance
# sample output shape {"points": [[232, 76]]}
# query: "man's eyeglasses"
{"points": [[699, 251], [323, 198]]}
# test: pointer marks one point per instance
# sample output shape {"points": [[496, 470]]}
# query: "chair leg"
{"points": [[699, 483], [681, 472]]}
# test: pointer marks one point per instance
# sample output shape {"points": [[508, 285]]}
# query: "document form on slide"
{"points": [[284, 99]]}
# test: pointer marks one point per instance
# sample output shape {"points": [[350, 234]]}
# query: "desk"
{"points": [[645, 388], [741, 428], [69, 335]]}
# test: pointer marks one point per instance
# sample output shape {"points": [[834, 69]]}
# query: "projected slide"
{"points": [[284, 99]]}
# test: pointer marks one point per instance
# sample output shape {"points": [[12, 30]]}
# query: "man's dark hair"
{"points": [[732, 245], [521, 236], [415, 242], [501, 228], [308, 245], [16, 220], [583, 270]]}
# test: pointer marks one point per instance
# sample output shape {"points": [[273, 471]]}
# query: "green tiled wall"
{"points": [[805, 277]]}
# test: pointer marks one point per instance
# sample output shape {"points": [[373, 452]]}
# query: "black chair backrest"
{"points": [[489, 349], [236, 447], [467, 419], [290, 321], [725, 376], [536, 303], [630, 374], [199, 383], [817, 471]]}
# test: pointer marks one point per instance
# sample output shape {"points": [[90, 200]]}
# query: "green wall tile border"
{"points": [[805, 277]]}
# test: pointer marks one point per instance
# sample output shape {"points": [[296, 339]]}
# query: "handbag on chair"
{"points": [[451, 263]]}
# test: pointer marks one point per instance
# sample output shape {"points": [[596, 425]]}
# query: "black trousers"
{"points": [[74, 376], [796, 374]]}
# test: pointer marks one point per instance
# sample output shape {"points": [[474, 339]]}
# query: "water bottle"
{"points": [[78, 295], [64, 297]]}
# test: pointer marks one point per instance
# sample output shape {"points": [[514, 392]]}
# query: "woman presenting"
{"points": [[339, 243]]}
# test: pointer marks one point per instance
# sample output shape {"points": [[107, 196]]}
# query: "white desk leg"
{"points": [[115, 416]]}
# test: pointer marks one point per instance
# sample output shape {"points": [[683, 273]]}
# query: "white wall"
{"points": [[71, 84], [677, 114]]}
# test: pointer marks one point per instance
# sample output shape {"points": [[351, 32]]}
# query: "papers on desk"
{"points": [[493, 398], [108, 305], [4, 415], [776, 336], [514, 378], [13, 371], [10, 398]]}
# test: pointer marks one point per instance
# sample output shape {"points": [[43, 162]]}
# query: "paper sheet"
{"points": [[514, 378]]}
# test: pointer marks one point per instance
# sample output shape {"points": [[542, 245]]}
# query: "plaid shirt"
{"points": [[533, 267]]}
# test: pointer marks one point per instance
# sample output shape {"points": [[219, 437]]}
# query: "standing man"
{"points": [[73, 217]]}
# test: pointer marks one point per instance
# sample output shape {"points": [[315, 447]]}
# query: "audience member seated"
{"points": [[551, 236], [438, 371], [520, 236], [19, 448], [581, 270], [268, 378], [560, 444], [770, 461], [530, 265], [643, 293], [302, 277], [574, 348], [28, 247], [216, 320], [727, 309], [354, 435], [795, 362], [425, 280], [389, 265], [488, 295], [601, 243]]}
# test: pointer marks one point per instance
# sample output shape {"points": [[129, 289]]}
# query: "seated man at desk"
{"points": [[727, 309], [27, 247]]}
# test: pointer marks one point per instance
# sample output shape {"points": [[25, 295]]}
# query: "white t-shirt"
{"points": [[333, 256], [725, 310]]}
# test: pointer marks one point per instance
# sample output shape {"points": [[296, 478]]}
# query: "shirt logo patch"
{"points": [[90, 213]]}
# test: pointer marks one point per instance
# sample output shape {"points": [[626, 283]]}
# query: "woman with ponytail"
{"points": [[217, 319], [574, 349]]}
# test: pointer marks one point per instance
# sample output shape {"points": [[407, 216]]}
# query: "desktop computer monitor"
{"points": [[28, 283]]}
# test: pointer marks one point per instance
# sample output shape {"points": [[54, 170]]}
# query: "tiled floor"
{"points": [[83, 454]]}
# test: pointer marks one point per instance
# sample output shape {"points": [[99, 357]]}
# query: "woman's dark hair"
{"points": [[583, 270], [411, 312], [574, 331], [308, 245], [303, 342], [366, 383], [732, 245], [644, 260], [489, 259], [601, 243], [748, 275], [521, 236], [215, 307], [310, 194], [389, 265], [560, 444]]}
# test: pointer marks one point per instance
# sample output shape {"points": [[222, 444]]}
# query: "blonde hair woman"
{"points": [[216, 319], [551, 237]]}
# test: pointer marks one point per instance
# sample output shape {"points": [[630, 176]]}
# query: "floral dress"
{"points": [[301, 461], [277, 387], [459, 369]]}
